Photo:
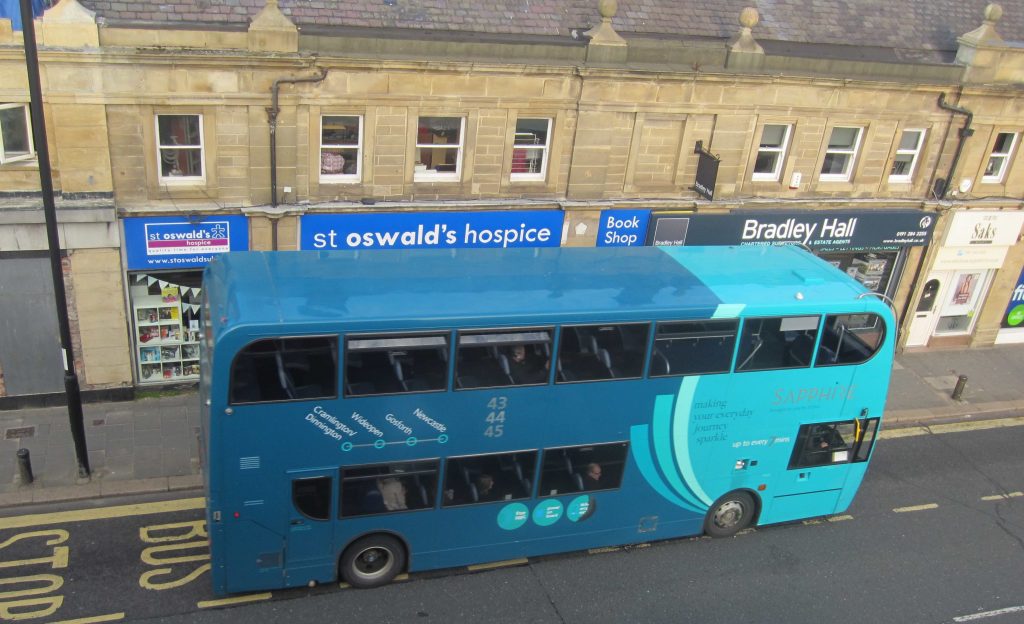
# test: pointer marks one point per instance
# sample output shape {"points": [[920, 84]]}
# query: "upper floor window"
{"points": [[15, 133], [840, 154], [905, 162], [995, 170], [779, 342], [180, 148], [341, 141], [439, 149], [592, 352], [771, 152], [530, 149]]}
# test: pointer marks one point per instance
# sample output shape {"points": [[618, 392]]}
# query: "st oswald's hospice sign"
{"points": [[178, 243]]}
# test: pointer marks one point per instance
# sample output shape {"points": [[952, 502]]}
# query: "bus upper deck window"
{"points": [[693, 347], [593, 352], [396, 363], [850, 339], [490, 359], [777, 342], [285, 369]]}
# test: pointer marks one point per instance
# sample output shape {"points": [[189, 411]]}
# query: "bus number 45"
{"points": [[496, 417]]}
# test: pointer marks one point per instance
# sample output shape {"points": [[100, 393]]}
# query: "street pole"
{"points": [[71, 387]]}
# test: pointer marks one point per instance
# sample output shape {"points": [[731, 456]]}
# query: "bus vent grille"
{"points": [[248, 463]]}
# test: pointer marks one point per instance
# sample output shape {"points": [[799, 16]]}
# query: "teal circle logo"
{"points": [[441, 439], [1015, 316], [547, 513], [513, 516], [580, 508], [411, 441], [379, 443], [346, 446]]}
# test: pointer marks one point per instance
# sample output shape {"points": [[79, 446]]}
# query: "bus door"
{"points": [[310, 530]]}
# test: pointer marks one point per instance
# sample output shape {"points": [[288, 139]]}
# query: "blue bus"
{"points": [[368, 413]]}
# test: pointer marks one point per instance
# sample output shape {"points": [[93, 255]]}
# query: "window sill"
{"points": [[441, 178], [21, 163], [340, 181]]}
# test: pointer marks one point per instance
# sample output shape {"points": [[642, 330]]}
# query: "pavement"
{"points": [[151, 445]]}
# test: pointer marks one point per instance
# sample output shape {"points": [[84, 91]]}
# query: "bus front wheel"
{"points": [[372, 561], [729, 515]]}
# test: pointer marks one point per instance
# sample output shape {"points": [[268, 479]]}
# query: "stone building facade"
{"points": [[160, 117]]}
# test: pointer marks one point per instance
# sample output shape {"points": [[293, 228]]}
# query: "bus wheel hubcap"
{"points": [[373, 562], [729, 515]]}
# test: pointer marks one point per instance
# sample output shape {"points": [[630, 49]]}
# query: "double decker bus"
{"points": [[368, 413]]}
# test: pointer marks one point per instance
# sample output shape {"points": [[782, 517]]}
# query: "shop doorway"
{"points": [[949, 304], [924, 315], [30, 355]]}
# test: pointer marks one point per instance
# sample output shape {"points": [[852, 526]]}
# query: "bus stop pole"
{"points": [[71, 387]]}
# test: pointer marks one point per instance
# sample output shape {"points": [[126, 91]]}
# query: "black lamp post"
{"points": [[71, 386]]}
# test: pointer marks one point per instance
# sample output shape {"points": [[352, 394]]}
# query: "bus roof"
{"points": [[404, 289]]}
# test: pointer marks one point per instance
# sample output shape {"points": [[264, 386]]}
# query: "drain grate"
{"points": [[16, 433]]}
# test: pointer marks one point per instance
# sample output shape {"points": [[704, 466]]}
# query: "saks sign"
{"points": [[876, 229], [982, 227]]}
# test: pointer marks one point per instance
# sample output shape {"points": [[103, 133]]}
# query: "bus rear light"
{"points": [[237, 515], [762, 487]]}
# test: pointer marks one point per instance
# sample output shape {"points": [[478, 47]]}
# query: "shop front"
{"points": [[958, 283], [871, 246], [165, 257]]}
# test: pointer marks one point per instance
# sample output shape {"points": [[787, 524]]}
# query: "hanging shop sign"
{"points": [[707, 172], [623, 228], [153, 243], [821, 230], [432, 230]]}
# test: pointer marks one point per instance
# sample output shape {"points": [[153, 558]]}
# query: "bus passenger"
{"points": [[485, 489], [526, 370], [392, 490], [592, 479]]}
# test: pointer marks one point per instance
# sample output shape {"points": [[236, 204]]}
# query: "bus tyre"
{"points": [[729, 515], [372, 561]]}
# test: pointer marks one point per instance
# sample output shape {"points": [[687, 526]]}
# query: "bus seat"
{"points": [[527, 487], [577, 480], [659, 363], [801, 350], [606, 359], [503, 363], [568, 463], [468, 381], [357, 388], [397, 367], [473, 494]]}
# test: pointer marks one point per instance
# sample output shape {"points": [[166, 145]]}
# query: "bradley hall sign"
{"points": [[822, 230]]}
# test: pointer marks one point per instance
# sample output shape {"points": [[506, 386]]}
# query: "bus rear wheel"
{"points": [[372, 561], [729, 515]]}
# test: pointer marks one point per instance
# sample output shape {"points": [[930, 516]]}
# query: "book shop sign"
{"points": [[181, 242]]}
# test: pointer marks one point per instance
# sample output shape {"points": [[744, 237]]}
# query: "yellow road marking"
{"points": [[957, 427], [102, 513], [839, 518], [916, 508], [497, 564], [606, 549], [223, 602], [112, 617], [1002, 496]]}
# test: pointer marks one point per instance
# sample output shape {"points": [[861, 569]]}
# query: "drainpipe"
{"points": [[272, 113], [964, 133]]}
